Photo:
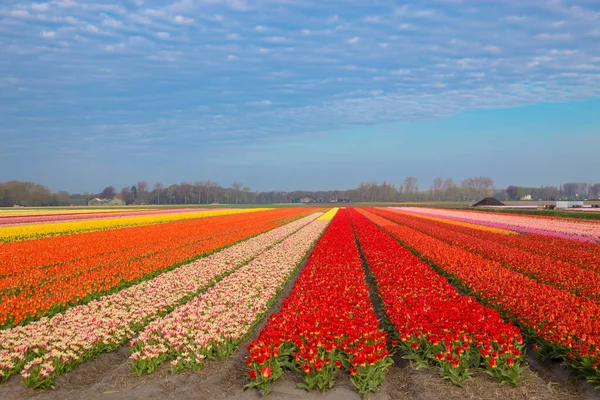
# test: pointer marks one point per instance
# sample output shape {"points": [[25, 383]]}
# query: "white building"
{"points": [[569, 204]]}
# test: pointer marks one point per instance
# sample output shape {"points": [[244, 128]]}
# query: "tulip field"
{"points": [[370, 300]]}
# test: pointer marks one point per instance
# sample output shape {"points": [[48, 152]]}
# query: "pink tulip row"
{"points": [[213, 324], [44, 349], [36, 219], [583, 231]]}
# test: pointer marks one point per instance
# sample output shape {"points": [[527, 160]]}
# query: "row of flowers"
{"points": [[48, 347], [580, 281], [562, 324], [214, 323], [328, 216], [38, 218], [41, 230], [26, 211], [44, 276], [327, 323], [575, 252], [567, 229], [435, 324]]}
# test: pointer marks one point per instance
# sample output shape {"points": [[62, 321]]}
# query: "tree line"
{"points": [[32, 194]]}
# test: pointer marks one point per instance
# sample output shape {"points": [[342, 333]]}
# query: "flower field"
{"points": [[324, 299], [327, 323], [434, 323], [42, 276], [587, 231], [562, 324], [56, 217], [36, 231]]}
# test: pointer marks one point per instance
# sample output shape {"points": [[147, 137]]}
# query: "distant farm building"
{"points": [[569, 204], [105, 202], [306, 199], [528, 197], [488, 201]]}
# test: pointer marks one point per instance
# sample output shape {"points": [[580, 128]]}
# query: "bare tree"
{"points": [[108, 193], [142, 191], [411, 187], [157, 190], [236, 186], [436, 188]]}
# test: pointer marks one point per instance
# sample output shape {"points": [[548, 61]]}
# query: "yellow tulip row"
{"points": [[328, 216], [35, 231]]}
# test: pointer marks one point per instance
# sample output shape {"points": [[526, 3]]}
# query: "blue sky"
{"points": [[286, 94]]}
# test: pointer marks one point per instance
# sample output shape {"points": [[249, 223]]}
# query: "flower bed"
{"points": [[579, 281], [54, 345], [435, 324], [326, 323], [569, 229], [564, 325], [44, 276], [585, 254], [37, 231], [214, 323]]}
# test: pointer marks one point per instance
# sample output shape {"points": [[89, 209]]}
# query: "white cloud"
{"points": [[565, 52], [111, 22], [48, 34], [333, 19], [233, 36], [20, 13], [114, 47], [425, 13], [405, 26], [266, 102], [92, 28], [276, 39], [163, 35], [492, 49], [402, 71], [555, 36], [595, 33], [66, 3], [40, 6], [180, 19], [231, 58], [306, 32], [401, 10], [260, 28], [354, 40], [263, 50], [373, 19], [383, 45]]}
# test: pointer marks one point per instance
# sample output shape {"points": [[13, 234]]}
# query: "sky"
{"points": [[299, 94]]}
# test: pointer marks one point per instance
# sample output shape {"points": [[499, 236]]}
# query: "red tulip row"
{"points": [[579, 281], [566, 326], [434, 322], [327, 323], [584, 254]]}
